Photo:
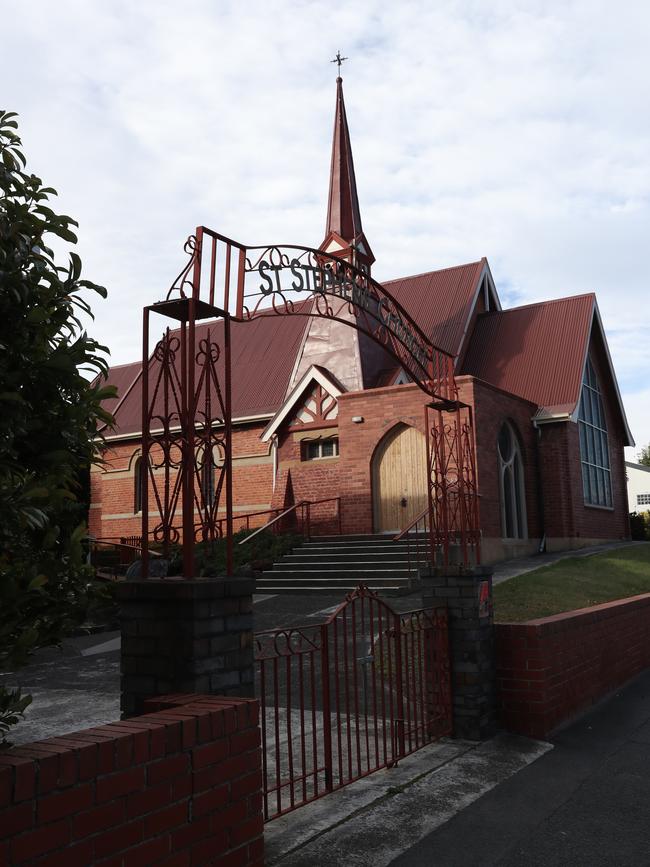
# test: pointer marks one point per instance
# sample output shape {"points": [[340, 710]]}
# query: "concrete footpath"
{"points": [[581, 801], [586, 803], [372, 821]]}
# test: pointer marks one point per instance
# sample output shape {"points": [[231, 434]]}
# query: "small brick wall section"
{"points": [[180, 786], [551, 669]]}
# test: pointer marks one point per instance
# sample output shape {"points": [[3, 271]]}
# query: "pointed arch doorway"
{"points": [[399, 479]]}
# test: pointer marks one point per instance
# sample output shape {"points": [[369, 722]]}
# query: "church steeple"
{"points": [[343, 233]]}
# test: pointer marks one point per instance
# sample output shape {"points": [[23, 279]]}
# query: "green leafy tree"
{"points": [[49, 419], [644, 456]]}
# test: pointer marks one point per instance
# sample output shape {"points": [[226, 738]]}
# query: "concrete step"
{"points": [[359, 575], [304, 588], [370, 538], [288, 583], [357, 547], [377, 550], [305, 565], [339, 563]]}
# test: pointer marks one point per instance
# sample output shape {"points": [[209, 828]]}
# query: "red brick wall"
{"points": [[382, 409], [492, 408], [565, 515], [176, 787], [252, 484], [548, 670], [566, 512], [310, 480]]}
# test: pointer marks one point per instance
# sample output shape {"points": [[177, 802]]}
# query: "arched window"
{"points": [[594, 449], [211, 459], [512, 490], [137, 485], [207, 478]]}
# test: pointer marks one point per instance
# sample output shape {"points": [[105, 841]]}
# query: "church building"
{"points": [[320, 412]]}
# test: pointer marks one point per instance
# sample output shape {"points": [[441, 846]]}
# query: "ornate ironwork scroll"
{"points": [[288, 280], [453, 496], [344, 698], [187, 420], [186, 436]]}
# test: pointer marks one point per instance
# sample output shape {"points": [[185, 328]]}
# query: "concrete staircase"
{"points": [[337, 564]]}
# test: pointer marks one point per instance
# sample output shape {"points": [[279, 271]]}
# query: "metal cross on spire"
{"points": [[338, 59]]}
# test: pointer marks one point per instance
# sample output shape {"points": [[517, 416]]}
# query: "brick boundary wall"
{"points": [[180, 786], [549, 670]]}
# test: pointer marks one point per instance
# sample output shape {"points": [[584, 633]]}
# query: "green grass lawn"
{"points": [[576, 582]]}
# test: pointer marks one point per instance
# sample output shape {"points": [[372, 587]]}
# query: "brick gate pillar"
{"points": [[467, 594], [185, 636]]}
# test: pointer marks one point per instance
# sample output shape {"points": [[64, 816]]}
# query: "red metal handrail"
{"points": [[106, 541], [305, 507], [415, 521], [420, 524], [271, 522], [128, 554]]}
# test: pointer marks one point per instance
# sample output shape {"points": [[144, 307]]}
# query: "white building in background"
{"points": [[638, 487]]}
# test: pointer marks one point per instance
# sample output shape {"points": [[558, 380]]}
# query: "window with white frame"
{"points": [[314, 450], [643, 499], [594, 447], [512, 490]]}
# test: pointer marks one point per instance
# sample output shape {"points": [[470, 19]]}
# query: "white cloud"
{"points": [[516, 129]]}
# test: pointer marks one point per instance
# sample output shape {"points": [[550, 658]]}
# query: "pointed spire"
{"points": [[343, 214]]}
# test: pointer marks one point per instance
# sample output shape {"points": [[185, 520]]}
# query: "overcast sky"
{"points": [[515, 130]]}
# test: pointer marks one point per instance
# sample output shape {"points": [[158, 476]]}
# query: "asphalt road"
{"points": [[584, 804]]}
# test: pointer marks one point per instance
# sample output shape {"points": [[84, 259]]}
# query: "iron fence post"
{"points": [[430, 484], [144, 496], [399, 718], [228, 436], [327, 713]]}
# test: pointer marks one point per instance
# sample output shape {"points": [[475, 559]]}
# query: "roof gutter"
{"points": [[244, 419], [553, 417]]}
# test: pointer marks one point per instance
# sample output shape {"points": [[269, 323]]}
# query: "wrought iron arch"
{"points": [[229, 280]]}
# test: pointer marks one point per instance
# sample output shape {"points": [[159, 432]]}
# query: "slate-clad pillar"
{"points": [[467, 593], [183, 636]]}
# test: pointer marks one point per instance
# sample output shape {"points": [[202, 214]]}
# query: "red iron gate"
{"points": [[344, 698]]}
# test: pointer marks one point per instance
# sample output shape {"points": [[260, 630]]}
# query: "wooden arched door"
{"points": [[399, 479]]}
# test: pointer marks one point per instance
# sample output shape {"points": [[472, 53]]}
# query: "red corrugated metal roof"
{"points": [[263, 355], [440, 301], [121, 376], [264, 350], [536, 351]]}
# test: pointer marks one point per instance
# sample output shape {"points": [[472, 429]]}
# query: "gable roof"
{"points": [[538, 352], [122, 377], [641, 467], [441, 302], [315, 373], [263, 354], [265, 349]]}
